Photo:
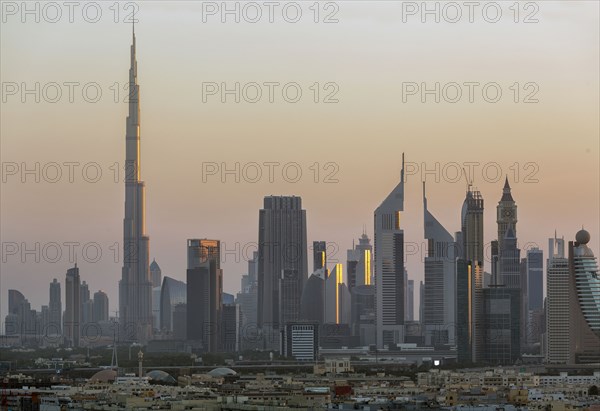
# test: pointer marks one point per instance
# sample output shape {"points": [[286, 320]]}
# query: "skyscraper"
{"points": [[337, 298], [87, 309], [319, 255], [135, 286], [510, 260], [410, 298], [156, 274], [469, 279], [100, 312], [557, 303], [312, 305], [247, 300], [282, 260], [440, 283], [535, 294], [501, 325], [204, 293], [55, 308], [472, 227], [389, 266], [584, 301], [359, 262], [72, 318], [173, 292]]}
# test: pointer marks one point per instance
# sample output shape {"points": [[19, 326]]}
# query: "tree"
{"points": [[593, 390]]}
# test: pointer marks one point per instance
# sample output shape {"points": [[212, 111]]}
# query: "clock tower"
{"points": [[506, 214]]}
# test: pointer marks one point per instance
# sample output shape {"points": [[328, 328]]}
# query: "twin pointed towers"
{"points": [[135, 286]]}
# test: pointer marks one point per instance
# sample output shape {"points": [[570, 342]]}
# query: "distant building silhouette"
{"points": [[204, 292], [55, 308], [72, 317], [173, 292], [282, 261]]}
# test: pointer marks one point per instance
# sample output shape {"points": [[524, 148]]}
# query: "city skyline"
{"points": [[105, 198]]}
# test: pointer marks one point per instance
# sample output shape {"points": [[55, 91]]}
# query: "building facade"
{"points": [[282, 260], [204, 279], [72, 318], [389, 266], [440, 281]]}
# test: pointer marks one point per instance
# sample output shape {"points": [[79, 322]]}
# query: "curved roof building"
{"points": [[15, 299], [172, 292], [221, 372], [584, 297]]}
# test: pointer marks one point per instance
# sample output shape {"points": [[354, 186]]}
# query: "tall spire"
{"points": [[135, 287], [506, 195]]}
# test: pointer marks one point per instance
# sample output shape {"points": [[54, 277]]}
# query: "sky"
{"points": [[368, 88]]}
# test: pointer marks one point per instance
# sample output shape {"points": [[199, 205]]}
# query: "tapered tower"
{"points": [[135, 287]]}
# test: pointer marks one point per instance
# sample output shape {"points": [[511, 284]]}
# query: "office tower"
{"points": [[506, 214], [84, 291], [135, 286], [282, 260], [100, 307], [501, 325], [557, 303], [535, 294], [440, 282], [180, 321], [469, 279], [510, 260], [535, 279], [312, 304], [319, 255], [16, 322], [156, 307], [410, 298], [352, 258], [337, 298], [44, 321], [247, 299], [172, 293], [584, 302], [359, 260], [300, 341], [155, 274], [249, 279], [230, 327], [421, 301], [86, 309], [472, 227], [55, 307], [72, 317], [389, 266], [204, 293], [363, 314], [15, 299], [495, 264]]}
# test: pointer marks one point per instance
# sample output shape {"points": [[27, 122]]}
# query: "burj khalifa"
{"points": [[135, 287]]}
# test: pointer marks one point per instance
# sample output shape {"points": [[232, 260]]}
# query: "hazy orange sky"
{"points": [[369, 54]]}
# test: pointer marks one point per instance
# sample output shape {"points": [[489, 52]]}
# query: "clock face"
{"points": [[508, 213]]}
